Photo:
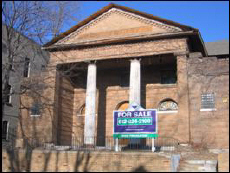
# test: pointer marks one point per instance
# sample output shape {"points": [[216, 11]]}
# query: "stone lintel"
{"points": [[181, 53], [195, 55]]}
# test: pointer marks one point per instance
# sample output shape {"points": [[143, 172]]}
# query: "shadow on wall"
{"points": [[140, 169]]}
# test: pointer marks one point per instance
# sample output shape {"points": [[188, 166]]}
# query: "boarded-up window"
{"points": [[35, 109], [207, 101]]}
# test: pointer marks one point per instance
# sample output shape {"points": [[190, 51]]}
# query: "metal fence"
{"points": [[108, 143], [98, 143]]}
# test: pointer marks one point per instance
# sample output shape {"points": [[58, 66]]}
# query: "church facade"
{"points": [[118, 56]]}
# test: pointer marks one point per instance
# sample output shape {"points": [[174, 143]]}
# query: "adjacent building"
{"points": [[28, 59]]}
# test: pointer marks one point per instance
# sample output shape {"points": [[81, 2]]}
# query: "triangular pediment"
{"points": [[117, 23]]}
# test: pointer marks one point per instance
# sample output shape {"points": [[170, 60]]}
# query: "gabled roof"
{"points": [[107, 8]]}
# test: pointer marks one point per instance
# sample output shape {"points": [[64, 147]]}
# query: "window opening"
{"points": [[208, 101], [4, 130], [35, 109], [168, 105], [26, 67]]}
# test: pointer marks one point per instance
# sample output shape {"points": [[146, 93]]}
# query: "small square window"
{"points": [[43, 67], [208, 101], [35, 109]]}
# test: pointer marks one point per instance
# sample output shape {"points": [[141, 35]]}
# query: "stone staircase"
{"points": [[197, 166]]}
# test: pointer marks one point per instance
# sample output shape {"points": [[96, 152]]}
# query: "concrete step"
{"points": [[197, 166]]}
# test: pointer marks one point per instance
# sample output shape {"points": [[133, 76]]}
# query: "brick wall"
{"points": [[42, 89], [65, 115], [66, 161], [209, 75]]}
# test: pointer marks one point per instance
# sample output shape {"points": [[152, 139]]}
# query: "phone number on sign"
{"points": [[134, 121]]}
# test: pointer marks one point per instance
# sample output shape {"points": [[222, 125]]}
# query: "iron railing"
{"points": [[105, 143]]}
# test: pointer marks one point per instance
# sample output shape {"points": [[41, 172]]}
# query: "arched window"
{"points": [[168, 105], [122, 106], [81, 110]]}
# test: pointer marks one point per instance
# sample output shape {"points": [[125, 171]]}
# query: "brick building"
{"points": [[28, 60], [119, 55]]}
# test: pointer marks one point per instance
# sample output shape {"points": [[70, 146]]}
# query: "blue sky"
{"points": [[210, 17]]}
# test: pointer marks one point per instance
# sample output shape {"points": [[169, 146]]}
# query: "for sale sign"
{"points": [[135, 123]]}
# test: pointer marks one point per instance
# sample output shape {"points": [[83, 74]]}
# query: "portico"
{"points": [[90, 113], [110, 85]]}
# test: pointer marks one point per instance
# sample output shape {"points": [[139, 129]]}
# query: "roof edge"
{"points": [[121, 40]]}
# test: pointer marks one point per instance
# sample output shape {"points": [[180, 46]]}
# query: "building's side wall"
{"points": [[65, 111], [38, 128], [209, 75]]}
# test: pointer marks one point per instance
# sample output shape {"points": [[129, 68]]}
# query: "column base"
{"points": [[90, 146], [19, 143]]}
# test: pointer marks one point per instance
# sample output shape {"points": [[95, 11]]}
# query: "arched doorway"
{"points": [[122, 106]]}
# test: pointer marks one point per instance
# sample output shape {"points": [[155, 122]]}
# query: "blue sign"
{"points": [[135, 120]]}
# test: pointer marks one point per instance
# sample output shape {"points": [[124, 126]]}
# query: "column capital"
{"points": [[135, 59], [90, 61], [181, 53]]}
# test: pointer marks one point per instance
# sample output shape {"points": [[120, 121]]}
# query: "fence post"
{"points": [[116, 145]]}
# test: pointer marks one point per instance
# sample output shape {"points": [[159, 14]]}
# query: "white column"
{"points": [[90, 105], [135, 87], [135, 82]]}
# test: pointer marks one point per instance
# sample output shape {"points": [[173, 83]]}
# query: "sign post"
{"points": [[153, 147], [135, 122], [116, 145]]}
